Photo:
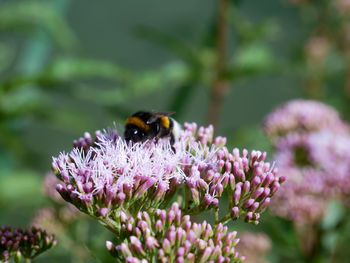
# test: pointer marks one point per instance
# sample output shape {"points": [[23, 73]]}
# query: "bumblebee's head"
{"points": [[134, 133]]}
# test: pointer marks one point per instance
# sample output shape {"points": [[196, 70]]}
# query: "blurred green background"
{"points": [[67, 67]]}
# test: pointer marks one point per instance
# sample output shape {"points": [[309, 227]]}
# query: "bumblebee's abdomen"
{"points": [[166, 126], [165, 122]]}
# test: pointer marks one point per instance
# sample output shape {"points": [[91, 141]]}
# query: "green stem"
{"points": [[109, 224], [187, 199], [347, 79], [80, 254], [338, 228], [224, 220], [310, 240], [216, 216]]}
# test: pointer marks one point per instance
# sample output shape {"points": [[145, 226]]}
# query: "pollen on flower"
{"points": [[112, 175], [113, 172]]}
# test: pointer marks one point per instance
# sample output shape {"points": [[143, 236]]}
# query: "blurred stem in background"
{"points": [[313, 237], [310, 238], [345, 46], [327, 51], [220, 84], [316, 51], [208, 64]]}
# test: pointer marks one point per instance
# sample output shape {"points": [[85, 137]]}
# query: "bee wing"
{"points": [[157, 115]]}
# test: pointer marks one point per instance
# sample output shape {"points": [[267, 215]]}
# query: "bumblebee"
{"points": [[143, 125]]}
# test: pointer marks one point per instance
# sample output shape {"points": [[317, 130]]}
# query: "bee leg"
{"points": [[156, 139], [172, 141]]}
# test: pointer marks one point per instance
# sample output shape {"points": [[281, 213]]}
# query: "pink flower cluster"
{"points": [[17, 243], [169, 236], [331, 153], [105, 174], [248, 179], [112, 175], [311, 143], [124, 186]]}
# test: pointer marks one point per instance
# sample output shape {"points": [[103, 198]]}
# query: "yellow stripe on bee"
{"points": [[137, 122], [165, 122]]}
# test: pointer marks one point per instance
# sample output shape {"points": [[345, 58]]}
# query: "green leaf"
{"points": [[24, 99], [28, 15], [70, 68], [7, 55], [334, 214], [254, 57]]}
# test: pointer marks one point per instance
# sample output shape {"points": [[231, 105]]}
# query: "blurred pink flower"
{"points": [[301, 198], [46, 218], [303, 116], [254, 246], [331, 153], [312, 151], [48, 188], [65, 212], [342, 6]]}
